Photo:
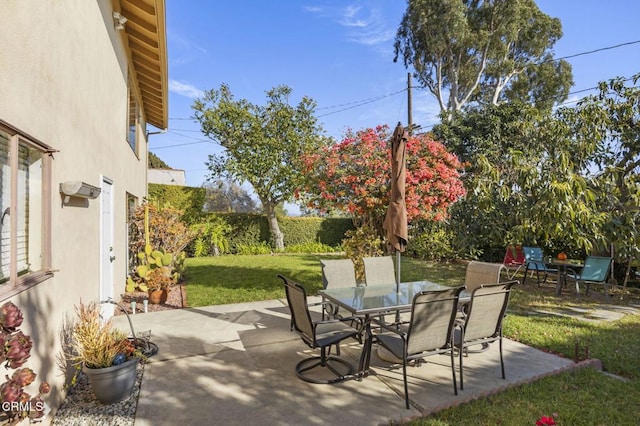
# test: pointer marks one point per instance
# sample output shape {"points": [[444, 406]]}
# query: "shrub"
{"points": [[432, 243], [212, 237], [311, 247], [252, 248], [361, 242]]}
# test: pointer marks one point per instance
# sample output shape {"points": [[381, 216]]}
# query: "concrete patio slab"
{"points": [[234, 365]]}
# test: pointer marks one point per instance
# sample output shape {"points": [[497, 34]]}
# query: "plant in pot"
{"points": [[158, 281], [105, 354]]}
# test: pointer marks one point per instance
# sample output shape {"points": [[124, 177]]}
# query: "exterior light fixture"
{"points": [[119, 20]]}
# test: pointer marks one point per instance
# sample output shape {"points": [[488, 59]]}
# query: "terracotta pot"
{"points": [[158, 296]]}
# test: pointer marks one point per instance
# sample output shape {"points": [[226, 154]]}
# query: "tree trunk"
{"points": [[278, 236]]}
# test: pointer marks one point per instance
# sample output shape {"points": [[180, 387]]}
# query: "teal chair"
{"points": [[534, 258], [595, 271]]}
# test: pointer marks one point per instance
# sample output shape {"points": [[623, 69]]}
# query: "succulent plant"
{"points": [[10, 316], [15, 349], [24, 376]]}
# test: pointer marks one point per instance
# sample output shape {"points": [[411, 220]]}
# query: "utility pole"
{"points": [[409, 117]]}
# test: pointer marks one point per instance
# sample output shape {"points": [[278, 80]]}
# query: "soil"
{"points": [[176, 299]]}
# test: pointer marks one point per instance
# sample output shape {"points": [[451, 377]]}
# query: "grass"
{"points": [[536, 317]]}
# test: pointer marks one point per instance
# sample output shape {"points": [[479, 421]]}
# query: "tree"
{"points": [[155, 162], [610, 120], [525, 178], [355, 176], [228, 196], [483, 52], [262, 143]]}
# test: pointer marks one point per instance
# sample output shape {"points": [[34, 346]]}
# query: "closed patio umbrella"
{"points": [[395, 221]]}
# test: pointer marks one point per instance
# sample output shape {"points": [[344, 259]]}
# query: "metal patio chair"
{"points": [[513, 260], [482, 323], [534, 258], [379, 270], [337, 273], [429, 331], [595, 271], [318, 334]]}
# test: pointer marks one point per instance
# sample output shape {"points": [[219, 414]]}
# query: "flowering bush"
{"points": [[354, 176], [15, 349]]}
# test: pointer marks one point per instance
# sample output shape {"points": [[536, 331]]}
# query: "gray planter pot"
{"points": [[115, 383]]}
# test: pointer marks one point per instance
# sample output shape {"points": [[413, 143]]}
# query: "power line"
{"points": [[361, 103], [180, 144], [355, 104], [593, 51]]}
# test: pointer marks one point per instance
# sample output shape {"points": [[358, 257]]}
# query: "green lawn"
{"points": [[582, 397]]}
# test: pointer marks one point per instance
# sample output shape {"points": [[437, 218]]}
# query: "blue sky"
{"points": [[340, 53]]}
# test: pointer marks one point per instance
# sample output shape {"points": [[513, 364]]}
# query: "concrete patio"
{"points": [[234, 365]]}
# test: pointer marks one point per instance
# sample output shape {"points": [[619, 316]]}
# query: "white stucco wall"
{"points": [[167, 177], [64, 82]]}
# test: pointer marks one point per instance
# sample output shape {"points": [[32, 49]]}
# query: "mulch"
{"points": [[176, 299]]}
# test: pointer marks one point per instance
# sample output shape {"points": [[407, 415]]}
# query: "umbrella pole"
{"points": [[398, 282], [397, 271]]}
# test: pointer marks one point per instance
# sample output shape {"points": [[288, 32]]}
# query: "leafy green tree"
{"points": [[525, 178], [610, 121], [483, 52], [262, 143], [228, 196], [156, 162]]}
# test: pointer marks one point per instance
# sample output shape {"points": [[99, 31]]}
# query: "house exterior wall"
{"points": [[63, 81], [167, 177]]}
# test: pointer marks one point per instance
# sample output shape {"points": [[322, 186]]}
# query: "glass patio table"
{"points": [[376, 300]]}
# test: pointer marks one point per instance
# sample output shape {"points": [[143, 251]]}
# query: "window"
{"points": [[24, 213], [131, 129], [133, 119]]}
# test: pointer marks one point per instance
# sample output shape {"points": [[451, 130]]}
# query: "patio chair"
{"points": [[513, 260], [337, 273], [483, 322], [534, 258], [429, 332], [318, 334], [379, 270], [479, 274], [595, 271]]}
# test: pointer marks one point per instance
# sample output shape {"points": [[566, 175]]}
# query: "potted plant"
{"points": [[105, 354], [158, 281]]}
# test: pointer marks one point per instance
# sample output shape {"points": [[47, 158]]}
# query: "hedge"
{"points": [[253, 229], [186, 198]]}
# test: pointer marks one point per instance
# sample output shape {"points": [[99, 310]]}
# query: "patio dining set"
{"points": [[587, 271], [410, 320]]}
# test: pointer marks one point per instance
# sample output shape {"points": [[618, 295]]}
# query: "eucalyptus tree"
{"points": [[478, 52], [261, 144]]}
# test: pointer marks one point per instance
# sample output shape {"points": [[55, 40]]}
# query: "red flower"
{"points": [[545, 421]]}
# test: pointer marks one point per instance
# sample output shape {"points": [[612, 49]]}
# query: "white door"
{"points": [[107, 255]]}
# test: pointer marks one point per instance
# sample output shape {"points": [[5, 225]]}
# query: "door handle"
{"points": [[112, 258]]}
